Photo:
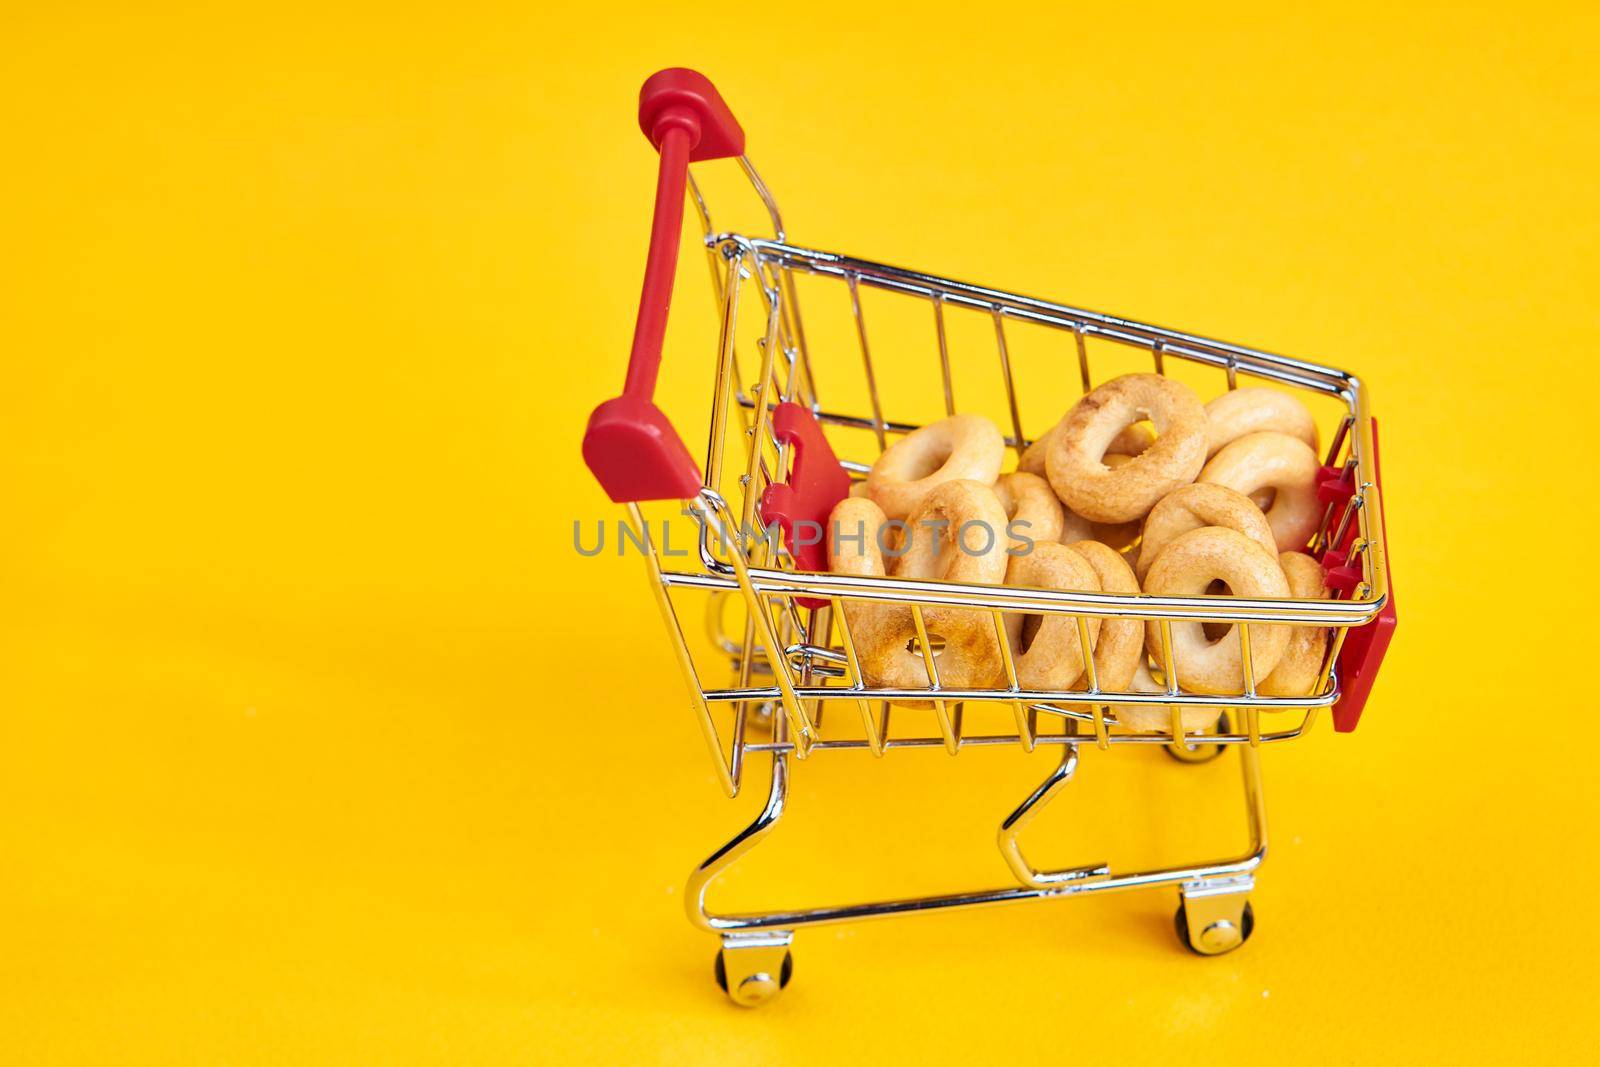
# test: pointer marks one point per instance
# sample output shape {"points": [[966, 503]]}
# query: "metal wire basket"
{"points": [[777, 437]]}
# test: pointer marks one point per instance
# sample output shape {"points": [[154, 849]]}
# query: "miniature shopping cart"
{"points": [[774, 464]]}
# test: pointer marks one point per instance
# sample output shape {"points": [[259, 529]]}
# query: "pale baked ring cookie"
{"points": [[1301, 666], [877, 630], [1075, 463], [1186, 567], [1032, 459], [852, 536], [1157, 718], [1241, 411], [1120, 646], [885, 635], [1284, 464], [1033, 514], [958, 534], [856, 539], [1118, 535], [1047, 649], [1190, 507], [1130, 442], [1075, 527], [959, 447]]}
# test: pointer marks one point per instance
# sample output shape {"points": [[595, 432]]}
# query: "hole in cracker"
{"points": [[1216, 631], [1122, 446], [1030, 632]]}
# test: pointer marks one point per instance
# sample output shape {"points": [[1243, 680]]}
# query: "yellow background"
{"points": [[318, 743]]}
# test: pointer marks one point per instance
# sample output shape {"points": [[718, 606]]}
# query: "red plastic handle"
{"points": [[1364, 647], [630, 444]]}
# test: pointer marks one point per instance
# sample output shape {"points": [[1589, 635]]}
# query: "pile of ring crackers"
{"points": [[1218, 497]]}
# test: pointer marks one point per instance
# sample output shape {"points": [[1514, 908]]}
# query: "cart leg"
{"points": [[1214, 914], [754, 963], [1026, 873], [754, 968]]}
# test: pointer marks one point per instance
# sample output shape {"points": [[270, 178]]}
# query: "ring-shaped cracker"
{"points": [[958, 534], [1284, 464], [1119, 648], [884, 635], [1033, 514], [961, 447], [1076, 463], [1187, 567], [1300, 669], [1251, 410], [1116, 535], [1130, 442], [1157, 718], [1053, 656], [1190, 507]]}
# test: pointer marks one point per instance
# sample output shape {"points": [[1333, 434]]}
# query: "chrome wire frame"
{"points": [[790, 662], [801, 661], [1234, 874]]}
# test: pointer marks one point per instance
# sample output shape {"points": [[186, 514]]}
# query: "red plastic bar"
{"points": [[801, 506], [629, 444], [1364, 647]]}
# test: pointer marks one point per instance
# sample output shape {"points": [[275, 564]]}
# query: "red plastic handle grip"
{"points": [[630, 444], [1364, 647]]}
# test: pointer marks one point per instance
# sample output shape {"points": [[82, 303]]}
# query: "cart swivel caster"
{"points": [[754, 970], [1200, 753], [1215, 918]]}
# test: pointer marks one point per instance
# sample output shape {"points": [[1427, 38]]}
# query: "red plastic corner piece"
{"points": [[1364, 646], [679, 96], [1359, 661], [635, 453], [816, 483], [1335, 485]]}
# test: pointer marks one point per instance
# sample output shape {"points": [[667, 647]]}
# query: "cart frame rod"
{"points": [[1035, 885]]}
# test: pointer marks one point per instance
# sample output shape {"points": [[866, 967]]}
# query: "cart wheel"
{"points": [[752, 983], [1220, 937], [1201, 753]]}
